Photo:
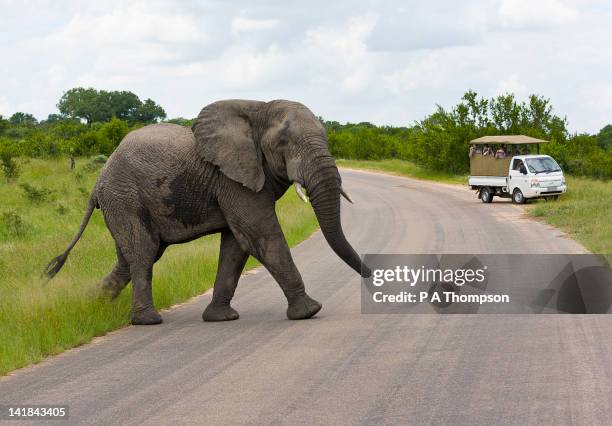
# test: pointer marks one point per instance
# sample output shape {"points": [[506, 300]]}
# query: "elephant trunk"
{"points": [[323, 185]]}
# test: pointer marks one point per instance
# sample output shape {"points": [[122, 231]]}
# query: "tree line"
{"points": [[88, 122], [91, 122], [440, 142]]}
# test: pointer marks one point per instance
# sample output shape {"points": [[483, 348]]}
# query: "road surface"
{"points": [[344, 367]]}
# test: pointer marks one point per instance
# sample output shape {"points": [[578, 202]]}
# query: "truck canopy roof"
{"points": [[508, 139], [530, 156]]}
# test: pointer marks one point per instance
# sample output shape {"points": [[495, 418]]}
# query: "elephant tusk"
{"points": [[300, 192], [345, 195]]}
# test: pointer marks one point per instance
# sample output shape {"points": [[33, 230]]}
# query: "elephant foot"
{"points": [[214, 313], [303, 307], [146, 317]]}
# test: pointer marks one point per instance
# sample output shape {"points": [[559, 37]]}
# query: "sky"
{"points": [[386, 62]]}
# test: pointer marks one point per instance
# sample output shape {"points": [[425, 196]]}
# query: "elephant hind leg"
{"points": [[140, 247], [118, 278]]}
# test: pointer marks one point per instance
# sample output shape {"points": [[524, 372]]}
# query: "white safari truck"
{"points": [[502, 166]]}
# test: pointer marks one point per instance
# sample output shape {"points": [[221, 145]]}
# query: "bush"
{"points": [[13, 224], [181, 121], [62, 210], [40, 144], [84, 192], [34, 194], [99, 159], [88, 143], [112, 133], [95, 163], [10, 168]]}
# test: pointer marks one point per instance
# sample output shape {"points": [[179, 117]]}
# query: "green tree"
{"points": [[65, 128], [506, 114], [23, 119], [40, 144], [4, 124], [121, 104], [111, 134], [88, 143], [93, 106], [604, 137], [81, 103], [148, 112], [187, 122], [52, 118]]}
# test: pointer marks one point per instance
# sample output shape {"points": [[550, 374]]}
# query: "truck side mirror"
{"points": [[522, 169]]}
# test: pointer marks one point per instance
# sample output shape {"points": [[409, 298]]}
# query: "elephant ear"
{"points": [[224, 137]]}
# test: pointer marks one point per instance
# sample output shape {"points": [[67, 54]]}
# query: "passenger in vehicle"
{"points": [[500, 153], [517, 164], [487, 151]]}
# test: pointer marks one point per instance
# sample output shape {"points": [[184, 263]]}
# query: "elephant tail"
{"points": [[56, 264]]}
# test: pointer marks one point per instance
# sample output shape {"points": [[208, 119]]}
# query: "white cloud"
{"points": [[133, 23], [125, 40], [238, 68], [387, 62], [535, 14], [595, 101], [436, 69], [5, 110], [342, 51], [512, 84], [245, 25]]}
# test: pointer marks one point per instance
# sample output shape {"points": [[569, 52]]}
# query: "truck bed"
{"points": [[493, 181]]}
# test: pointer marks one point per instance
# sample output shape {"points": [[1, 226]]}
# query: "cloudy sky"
{"points": [[388, 62]]}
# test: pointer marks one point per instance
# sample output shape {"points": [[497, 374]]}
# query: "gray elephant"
{"points": [[166, 184]]}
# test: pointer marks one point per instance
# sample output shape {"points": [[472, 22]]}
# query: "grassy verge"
{"points": [[403, 168], [39, 214], [584, 212]]}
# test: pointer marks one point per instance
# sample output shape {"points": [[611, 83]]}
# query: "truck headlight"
{"points": [[535, 183], [563, 181]]}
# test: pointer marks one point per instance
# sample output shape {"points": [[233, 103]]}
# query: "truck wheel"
{"points": [[486, 196], [518, 197]]}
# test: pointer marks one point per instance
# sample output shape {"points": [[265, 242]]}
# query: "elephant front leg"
{"points": [[267, 244], [231, 263], [275, 255]]}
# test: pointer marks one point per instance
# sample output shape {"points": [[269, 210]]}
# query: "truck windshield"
{"points": [[542, 165]]}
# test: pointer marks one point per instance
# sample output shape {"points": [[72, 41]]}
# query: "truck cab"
{"points": [[534, 176], [516, 176]]}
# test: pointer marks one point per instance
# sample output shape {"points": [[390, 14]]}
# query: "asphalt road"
{"points": [[344, 367]]}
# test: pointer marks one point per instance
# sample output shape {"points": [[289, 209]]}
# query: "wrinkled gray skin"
{"points": [[165, 185]]}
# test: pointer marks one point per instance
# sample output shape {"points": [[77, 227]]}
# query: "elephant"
{"points": [[169, 184]]}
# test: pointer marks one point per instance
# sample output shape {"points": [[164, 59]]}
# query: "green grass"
{"points": [[584, 213], [403, 168], [39, 219]]}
